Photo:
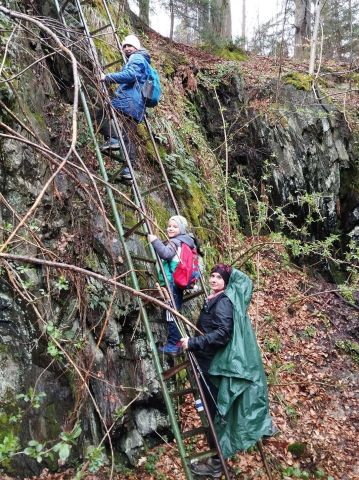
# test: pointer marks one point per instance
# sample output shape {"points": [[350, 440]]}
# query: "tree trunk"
{"points": [[302, 28], [227, 20], [313, 45], [221, 19], [204, 20], [351, 33], [172, 18], [144, 11], [244, 23]]}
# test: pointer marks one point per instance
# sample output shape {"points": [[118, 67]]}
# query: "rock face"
{"points": [[309, 149], [301, 143]]}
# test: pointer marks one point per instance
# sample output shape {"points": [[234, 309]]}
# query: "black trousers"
{"points": [[210, 392], [107, 129]]}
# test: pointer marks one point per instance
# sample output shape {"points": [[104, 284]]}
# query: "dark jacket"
{"points": [[216, 322], [128, 97]]}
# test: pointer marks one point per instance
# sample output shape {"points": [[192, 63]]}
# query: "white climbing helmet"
{"points": [[133, 41]]}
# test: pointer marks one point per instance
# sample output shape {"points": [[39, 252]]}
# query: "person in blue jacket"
{"points": [[128, 98]]}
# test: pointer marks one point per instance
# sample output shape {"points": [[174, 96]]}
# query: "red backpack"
{"points": [[187, 271]]}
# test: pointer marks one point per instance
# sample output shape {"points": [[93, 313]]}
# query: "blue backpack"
{"points": [[151, 89]]}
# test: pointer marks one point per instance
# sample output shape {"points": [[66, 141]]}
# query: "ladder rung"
{"points": [[133, 229], [194, 432], [181, 393], [100, 29], [63, 6], [153, 189], [193, 295], [104, 67], [195, 457], [144, 259], [167, 374]]}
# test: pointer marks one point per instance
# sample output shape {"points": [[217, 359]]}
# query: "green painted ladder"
{"points": [[142, 227]]}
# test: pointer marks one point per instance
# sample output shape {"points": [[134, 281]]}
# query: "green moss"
{"points": [[108, 53], [354, 77], [297, 449], [150, 149], [40, 120], [196, 203], [228, 51], [231, 53], [300, 81], [158, 211], [51, 418], [91, 261], [6, 96], [168, 69], [4, 348], [349, 347]]}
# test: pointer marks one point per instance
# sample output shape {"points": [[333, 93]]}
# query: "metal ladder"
{"points": [[143, 227]]}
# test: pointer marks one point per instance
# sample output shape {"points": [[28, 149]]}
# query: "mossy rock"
{"points": [[354, 77], [297, 449], [300, 81], [160, 213], [231, 53], [228, 51], [349, 347]]}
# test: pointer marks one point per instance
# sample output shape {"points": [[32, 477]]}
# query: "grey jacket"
{"points": [[166, 251]]}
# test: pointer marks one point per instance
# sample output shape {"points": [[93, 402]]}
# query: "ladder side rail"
{"points": [[138, 198], [118, 223], [153, 347], [194, 369], [191, 356]]}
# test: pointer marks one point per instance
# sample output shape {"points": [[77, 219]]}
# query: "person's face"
{"points": [[129, 50], [172, 229], [216, 282]]}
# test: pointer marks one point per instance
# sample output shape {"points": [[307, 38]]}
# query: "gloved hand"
{"points": [[151, 238], [103, 77]]}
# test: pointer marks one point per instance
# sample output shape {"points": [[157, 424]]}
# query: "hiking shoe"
{"points": [[211, 467], [110, 144], [125, 175], [170, 349]]}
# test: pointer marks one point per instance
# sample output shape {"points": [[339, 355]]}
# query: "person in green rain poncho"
{"points": [[232, 373]]}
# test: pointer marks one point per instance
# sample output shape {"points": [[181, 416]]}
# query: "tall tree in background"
{"points": [[172, 18], [341, 29], [207, 21], [221, 19], [244, 17], [302, 28], [144, 13], [314, 40]]}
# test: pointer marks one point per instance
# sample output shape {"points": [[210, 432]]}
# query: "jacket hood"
{"points": [[185, 238], [144, 53]]}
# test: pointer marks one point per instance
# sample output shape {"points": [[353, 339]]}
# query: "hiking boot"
{"points": [[211, 467], [125, 174], [110, 144], [170, 349]]}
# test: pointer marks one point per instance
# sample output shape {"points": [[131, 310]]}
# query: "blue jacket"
{"points": [[128, 97]]}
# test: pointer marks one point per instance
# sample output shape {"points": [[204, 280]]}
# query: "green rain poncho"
{"points": [[237, 371]]}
